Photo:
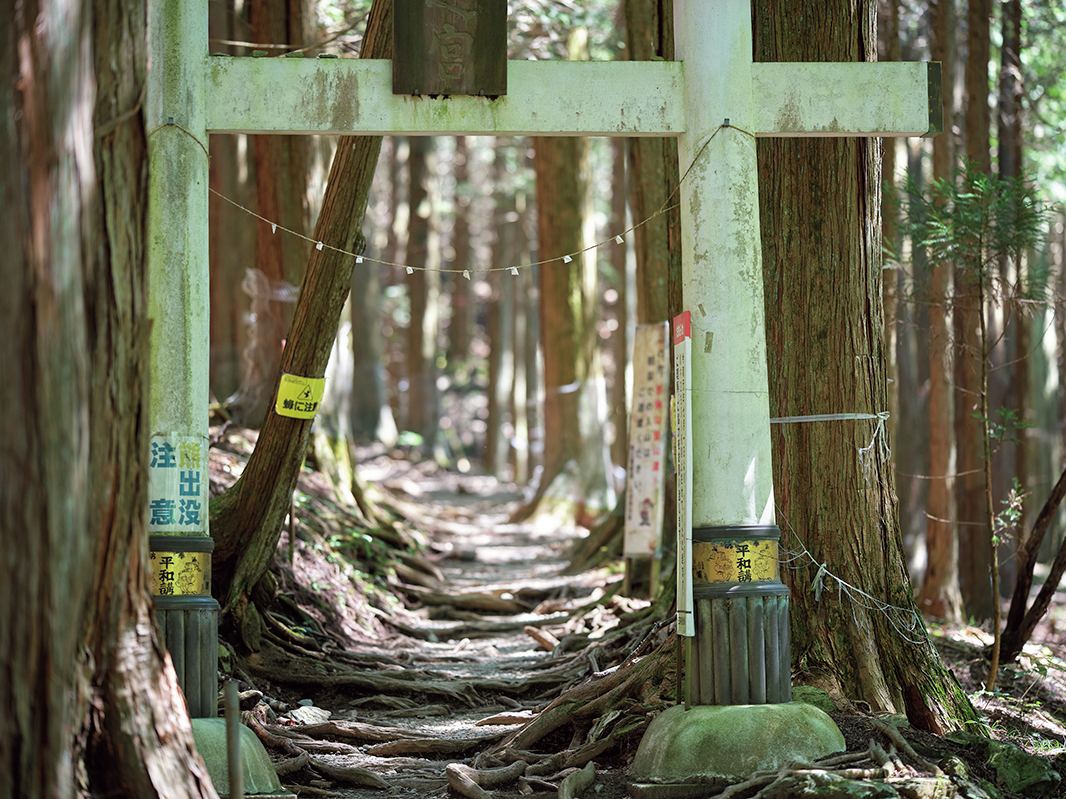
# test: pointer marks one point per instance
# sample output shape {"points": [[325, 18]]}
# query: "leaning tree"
{"points": [[246, 521]]}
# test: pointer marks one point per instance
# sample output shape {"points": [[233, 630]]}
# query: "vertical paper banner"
{"points": [[647, 422], [177, 485], [686, 624]]}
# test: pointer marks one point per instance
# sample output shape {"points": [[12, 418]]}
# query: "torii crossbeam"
{"points": [[712, 82]]}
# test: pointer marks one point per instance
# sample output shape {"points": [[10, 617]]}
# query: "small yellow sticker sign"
{"points": [[299, 397]]}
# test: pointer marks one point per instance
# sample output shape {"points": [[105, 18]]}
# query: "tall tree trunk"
{"points": [[560, 179], [232, 232], [575, 402], [819, 211], [940, 595], [655, 178], [246, 520], [528, 339], [617, 309], [370, 413], [90, 704], [910, 452], [423, 291], [888, 49], [973, 518], [281, 172], [1009, 124], [460, 327], [525, 376], [499, 324]]}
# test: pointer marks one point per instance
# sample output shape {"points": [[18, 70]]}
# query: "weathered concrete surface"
{"points": [[260, 778], [717, 744]]}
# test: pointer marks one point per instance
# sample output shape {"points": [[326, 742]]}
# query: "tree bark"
{"points": [[1022, 622], [654, 177], [974, 524], [499, 327], [888, 49], [940, 595], [460, 327], [232, 232], [368, 399], [281, 172], [423, 291], [90, 704], [560, 195], [618, 309], [819, 212], [1015, 388], [246, 520]]}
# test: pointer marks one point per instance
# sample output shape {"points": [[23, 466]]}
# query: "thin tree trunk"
{"points": [[281, 172], [1009, 108], [232, 233], [889, 50], [368, 398], [825, 339], [655, 178], [246, 520], [940, 595], [500, 328], [90, 705], [910, 452], [460, 328], [423, 291], [1022, 622], [974, 524], [617, 309]]}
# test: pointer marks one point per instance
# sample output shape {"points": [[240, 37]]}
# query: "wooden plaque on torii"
{"points": [[450, 47]]}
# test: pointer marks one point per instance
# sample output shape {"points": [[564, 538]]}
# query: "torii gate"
{"points": [[712, 82]]}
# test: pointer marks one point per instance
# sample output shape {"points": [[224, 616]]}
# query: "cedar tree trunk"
{"points": [[90, 704], [820, 215]]}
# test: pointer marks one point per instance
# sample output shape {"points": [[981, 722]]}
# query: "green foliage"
{"points": [[1003, 425], [1043, 56], [1010, 517], [979, 224], [540, 28]]}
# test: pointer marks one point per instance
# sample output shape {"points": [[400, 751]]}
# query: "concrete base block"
{"points": [[712, 744], [260, 779]]}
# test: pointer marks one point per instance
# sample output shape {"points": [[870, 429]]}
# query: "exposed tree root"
{"points": [[577, 781], [464, 780], [620, 701]]}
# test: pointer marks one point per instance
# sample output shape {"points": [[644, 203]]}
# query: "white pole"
{"points": [[178, 274], [178, 305], [722, 268]]}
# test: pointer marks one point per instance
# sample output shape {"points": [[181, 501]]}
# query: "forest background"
{"points": [[447, 357], [520, 370]]}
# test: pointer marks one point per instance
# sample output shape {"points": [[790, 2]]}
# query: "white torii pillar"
{"points": [[714, 80]]}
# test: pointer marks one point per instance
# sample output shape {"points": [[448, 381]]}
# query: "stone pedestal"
{"points": [[715, 746]]}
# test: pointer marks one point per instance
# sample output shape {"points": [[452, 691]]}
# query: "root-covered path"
{"points": [[389, 681]]}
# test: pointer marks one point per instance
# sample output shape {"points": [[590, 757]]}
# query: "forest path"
{"points": [[467, 663], [383, 672]]}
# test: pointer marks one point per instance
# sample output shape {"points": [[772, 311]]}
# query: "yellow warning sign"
{"points": [[299, 397]]}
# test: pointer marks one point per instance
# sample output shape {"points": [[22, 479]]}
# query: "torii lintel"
{"points": [[566, 98]]}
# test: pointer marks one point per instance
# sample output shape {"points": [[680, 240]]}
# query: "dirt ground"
{"points": [[403, 667]]}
